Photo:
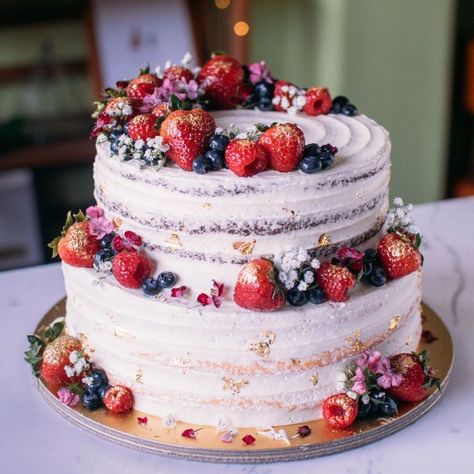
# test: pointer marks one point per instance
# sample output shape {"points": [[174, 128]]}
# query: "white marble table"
{"points": [[35, 439]]}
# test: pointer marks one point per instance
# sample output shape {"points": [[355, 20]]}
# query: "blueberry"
{"points": [[216, 157], [114, 147], [340, 100], [151, 287], [327, 147], [335, 108], [91, 399], [316, 296], [265, 104], [125, 128], [102, 390], [312, 149], [364, 409], [377, 276], [102, 256], [388, 408], [114, 135], [327, 159], [202, 165], [98, 377], [310, 164], [370, 255], [166, 279], [296, 297], [349, 110], [219, 142], [264, 89], [106, 241]]}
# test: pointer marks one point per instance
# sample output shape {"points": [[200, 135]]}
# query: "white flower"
{"points": [[81, 365], [285, 103], [276, 100], [241, 136], [69, 371], [284, 88], [308, 277], [225, 425], [187, 58], [87, 380], [315, 263], [74, 357], [302, 286], [279, 435], [398, 201], [300, 102], [168, 64], [219, 131], [139, 144], [169, 420], [352, 395]]}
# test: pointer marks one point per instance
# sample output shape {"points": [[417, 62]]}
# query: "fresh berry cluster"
{"points": [[342, 105], [317, 158], [152, 286], [214, 157]]}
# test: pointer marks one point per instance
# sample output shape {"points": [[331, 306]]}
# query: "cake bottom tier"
{"points": [[201, 364]]}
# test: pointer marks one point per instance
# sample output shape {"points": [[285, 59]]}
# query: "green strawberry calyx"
{"points": [[70, 220]]}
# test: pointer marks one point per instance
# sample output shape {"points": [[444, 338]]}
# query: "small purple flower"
{"points": [[67, 397], [100, 226], [371, 360], [192, 89], [259, 72], [94, 211], [227, 437], [359, 386], [387, 378]]}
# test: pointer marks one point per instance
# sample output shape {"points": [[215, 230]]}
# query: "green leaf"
{"points": [[54, 331], [217, 52], [77, 388], [145, 70], [158, 122], [34, 339]]}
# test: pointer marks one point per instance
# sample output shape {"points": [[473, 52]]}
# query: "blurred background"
{"points": [[409, 64]]}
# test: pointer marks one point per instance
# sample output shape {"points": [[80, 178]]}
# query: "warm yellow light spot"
{"points": [[241, 28], [222, 4]]}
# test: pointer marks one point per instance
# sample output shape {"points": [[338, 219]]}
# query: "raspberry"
{"points": [[245, 157], [131, 269], [318, 101], [118, 399], [340, 410]]}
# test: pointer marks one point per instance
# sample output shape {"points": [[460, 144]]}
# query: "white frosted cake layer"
{"points": [[192, 223], [202, 363]]}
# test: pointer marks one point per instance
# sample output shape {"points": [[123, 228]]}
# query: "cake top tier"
{"points": [[223, 116]]}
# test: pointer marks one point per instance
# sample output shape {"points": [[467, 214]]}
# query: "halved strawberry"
{"points": [[131, 269], [340, 410], [318, 101], [187, 132], [143, 127], [221, 78], [178, 73], [335, 281], [398, 255], [257, 287], [245, 157], [284, 144], [78, 246]]}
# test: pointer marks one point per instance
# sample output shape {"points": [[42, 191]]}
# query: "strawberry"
{"points": [[398, 255], [416, 375], [143, 85], [178, 73], [131, 269], [284, 144], [161, 110], [283, 95], [340, 410], [120, 107], [245, 157], [78, 246], [187, 132], [118, 399], [221, 78], [55, 358], [318, 101], [142, 127], [257, 287], [335, 281]]}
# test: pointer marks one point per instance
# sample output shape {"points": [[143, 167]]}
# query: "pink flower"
{"points": [[104, 121], [227, 437], [215, 297], [387, 378], [350, 253], [371, 360], [94, 211], [67, 397], [142, 420], [100, 226], [178, 292], [130, 241], [259, 72], [192, 89], [359, 382]]}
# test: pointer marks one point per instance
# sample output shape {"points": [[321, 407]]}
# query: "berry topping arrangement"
{"points": [[165, 117]]}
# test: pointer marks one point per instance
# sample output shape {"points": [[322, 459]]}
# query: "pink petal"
{"points": [[248, 439], [189, 433], [94, 211], [204, 299], [227, 437], [217, 288], [118, 244], [142, 420], [217, 300], [343, 253], [178, 292], [133, 238]]}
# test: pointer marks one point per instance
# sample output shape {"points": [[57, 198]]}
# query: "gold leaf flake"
{"points": [[408, 341], [355, 342], [314, 379], [119, 332], [234, 387], [324, 239], [394, 322], [139, 375], [174, 241], [117, 222], [290, 211], [262, 348], [358, 195], [207, 205], [245, 248]]}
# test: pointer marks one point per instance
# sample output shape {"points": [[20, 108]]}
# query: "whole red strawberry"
{"points": [[131, 269], [335, 281], [283, 95], [318, 101], [118, 399], [78, 247], [55, 357], [340, 410], [257, 288], [143, 85], [178, 73], [221, 78], [397, 255], [187, 132], [245, 157], [143, 127], [416, 377], [284, 144], [120, 107]]}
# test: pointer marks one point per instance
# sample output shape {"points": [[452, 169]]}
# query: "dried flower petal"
{"points": [[428, 336], [304, 431], [142, 420], [178, 291], [190, 433], [248, 439], [227, 437], [204, 299]]}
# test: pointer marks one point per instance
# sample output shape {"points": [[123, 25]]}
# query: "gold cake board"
{"points": [[154, 437]]}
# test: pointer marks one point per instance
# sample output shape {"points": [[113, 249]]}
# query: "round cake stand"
{"points": [[153, 437]]}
